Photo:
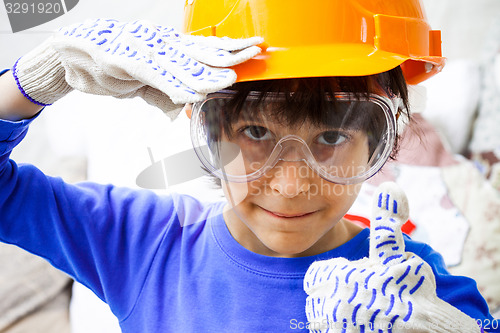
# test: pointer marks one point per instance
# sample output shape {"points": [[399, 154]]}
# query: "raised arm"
{"points": [[13, 104]]}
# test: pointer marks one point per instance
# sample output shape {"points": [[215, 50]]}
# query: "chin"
{"points": [[288, 249]]}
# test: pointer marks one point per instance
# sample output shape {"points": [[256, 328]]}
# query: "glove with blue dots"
{"points": [[391, 291], [124, 60]]}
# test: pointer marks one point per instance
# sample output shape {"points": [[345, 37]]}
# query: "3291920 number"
{"points": [[488, 324], [32, 8]]}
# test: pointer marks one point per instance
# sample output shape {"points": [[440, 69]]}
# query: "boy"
{"points": [[291, 151]]}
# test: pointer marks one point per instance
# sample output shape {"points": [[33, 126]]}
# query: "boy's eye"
{"points": [[257, 133], [332, 138]]}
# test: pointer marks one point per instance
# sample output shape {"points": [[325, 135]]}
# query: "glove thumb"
{"points": [[389, 212]]}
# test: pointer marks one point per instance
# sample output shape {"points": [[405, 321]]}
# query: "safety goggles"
{"points": [[240, 140]]}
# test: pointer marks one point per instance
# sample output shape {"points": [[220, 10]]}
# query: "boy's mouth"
{"points": [[288, 215]]}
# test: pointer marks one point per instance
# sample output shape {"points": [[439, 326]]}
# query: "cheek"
{"points": [[237, 193], [338, 198]]}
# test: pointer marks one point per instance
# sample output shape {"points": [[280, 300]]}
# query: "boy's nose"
{"points": [[292, 152], [290, 178]]}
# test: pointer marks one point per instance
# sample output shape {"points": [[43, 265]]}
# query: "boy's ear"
{"points": [[188, 108]]}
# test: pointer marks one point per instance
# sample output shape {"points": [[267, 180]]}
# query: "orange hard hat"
{"points": [[324, 37]]}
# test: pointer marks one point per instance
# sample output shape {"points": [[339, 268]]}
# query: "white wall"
{"points": [[464, 25]]}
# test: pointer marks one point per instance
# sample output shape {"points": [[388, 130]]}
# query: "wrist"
{"points": [[40, 75], [13, 104]]}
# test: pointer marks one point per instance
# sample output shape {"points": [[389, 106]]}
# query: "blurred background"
{"points": [[107, 140]]}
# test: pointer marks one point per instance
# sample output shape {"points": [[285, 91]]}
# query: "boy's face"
{"points": [[273, 153], [290, 211]]}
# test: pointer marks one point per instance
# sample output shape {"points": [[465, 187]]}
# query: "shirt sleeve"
{"points": [[103, 236]]}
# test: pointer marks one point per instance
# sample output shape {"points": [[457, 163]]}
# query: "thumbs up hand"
{"points": [[391, 291]]}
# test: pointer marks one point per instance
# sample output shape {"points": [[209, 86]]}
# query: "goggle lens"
{"points": [[240, 140]]}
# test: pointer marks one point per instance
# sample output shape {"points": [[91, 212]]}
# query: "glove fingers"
{"points": [[389, 213], [224, 58], [120, 80], [194, 74], [211, 50], [224, 43], [120, 58], [166, 54], [159, 48], [174, 89], [219, 57], [180, 77]]}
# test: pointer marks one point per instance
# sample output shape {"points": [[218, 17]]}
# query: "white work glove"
{"points": [[124, 60], [391, 291]]}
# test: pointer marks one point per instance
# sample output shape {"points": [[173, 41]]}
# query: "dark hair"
{"points": [[308, 94]]}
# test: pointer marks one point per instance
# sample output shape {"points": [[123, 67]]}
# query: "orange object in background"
{"points": [[310, 38], [407, 228]]}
